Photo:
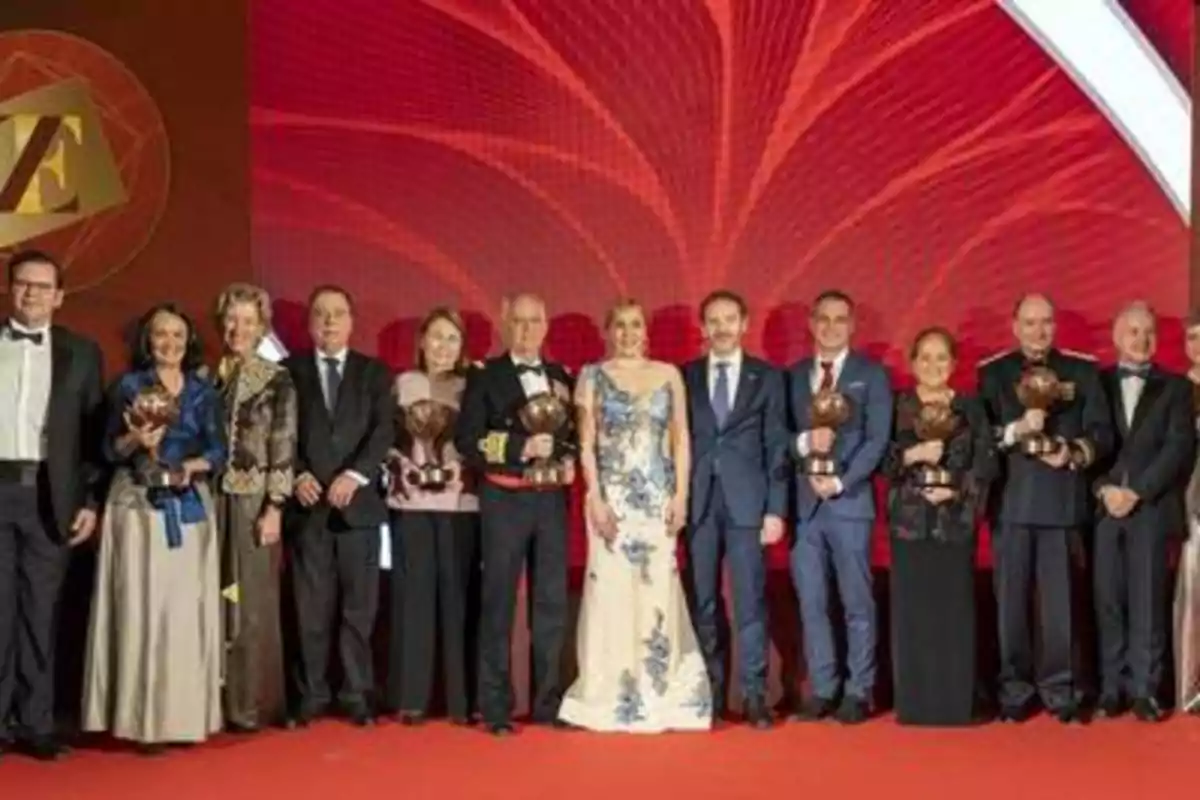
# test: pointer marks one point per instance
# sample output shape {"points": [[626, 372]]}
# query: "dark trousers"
{"points": [[825, 541], [1027, 556], [707, 540], [521, 526], [437, 552], [1130, 591], [327, 563], [32, 566]]}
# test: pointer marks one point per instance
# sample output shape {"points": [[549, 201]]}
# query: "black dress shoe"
{"points": [[501, 729], [243, 728], [757, 714], [1147, 709], [360, 717], [1013, 714], [152, 750], [1069, 714], [853, 711], [1110, 707], [411, 718], [814, 709], [45, 748]]}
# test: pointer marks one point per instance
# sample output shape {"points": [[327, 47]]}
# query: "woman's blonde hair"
{"points": [[621, 306], [237, 293], [454, 318]]}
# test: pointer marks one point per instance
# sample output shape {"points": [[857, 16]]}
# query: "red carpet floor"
{"points": [[1042, 759]]}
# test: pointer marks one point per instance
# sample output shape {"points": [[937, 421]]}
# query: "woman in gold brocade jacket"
{"points": [[260, 405]]}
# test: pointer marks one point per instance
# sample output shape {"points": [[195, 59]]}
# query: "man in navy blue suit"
{"points": [[738, 494], [835, 513]]}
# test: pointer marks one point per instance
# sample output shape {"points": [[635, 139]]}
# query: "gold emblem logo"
{"points": [[56, 167]]}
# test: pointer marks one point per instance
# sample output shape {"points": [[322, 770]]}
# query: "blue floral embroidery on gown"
{"points": [[659, 657], [660, 683]]}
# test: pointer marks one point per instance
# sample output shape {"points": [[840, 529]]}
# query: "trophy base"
{"points": [[160, 478], [819, 466], [1040, 445], [430, 478], [544, 476], [935, 478]]}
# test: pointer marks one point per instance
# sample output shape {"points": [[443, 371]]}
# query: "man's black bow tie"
{"points": [[536, 369], [1132, 371], [33, 337]]}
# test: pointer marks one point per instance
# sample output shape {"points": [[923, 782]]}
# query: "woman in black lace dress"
{"points": [[933, 530]]}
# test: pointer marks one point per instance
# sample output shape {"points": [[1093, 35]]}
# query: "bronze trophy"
{"points": [[154, 408], [1040, 389], [830, 409], [544, 413], [430, 422], [935, 422]]}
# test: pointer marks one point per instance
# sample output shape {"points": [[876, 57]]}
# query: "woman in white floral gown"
{"points": [[1187, 590], [640, 667]]}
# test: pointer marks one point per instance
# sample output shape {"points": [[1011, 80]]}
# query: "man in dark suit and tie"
{"points": [[51, 485], [1140, 489], [738, 495], [835, 514], [522, 522], [344, 431], [1044, 503]]}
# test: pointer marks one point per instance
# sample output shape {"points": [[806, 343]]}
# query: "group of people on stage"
{"points": [[197, 482]]}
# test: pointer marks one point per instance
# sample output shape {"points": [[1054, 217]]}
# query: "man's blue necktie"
{"points": [[333, 382], [720, 399]]}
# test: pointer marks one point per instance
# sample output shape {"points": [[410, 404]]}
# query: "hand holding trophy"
{"points": [[152, 410], [429, 423], [1039, 390], [545, 414], [935, 422], [830, 409]]}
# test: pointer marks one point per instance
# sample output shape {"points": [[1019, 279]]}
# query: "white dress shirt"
{"points": [[532, 382], [733, 373], [24, 394], [1131, 393]]}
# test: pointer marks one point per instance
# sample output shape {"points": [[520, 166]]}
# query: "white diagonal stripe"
{"points": [[1099, 46]]}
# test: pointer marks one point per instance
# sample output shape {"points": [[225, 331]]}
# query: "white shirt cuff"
{"points": [[838, 486], [358, 477], [1010, 435], [803, 446]]}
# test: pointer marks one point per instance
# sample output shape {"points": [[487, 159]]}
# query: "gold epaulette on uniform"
{"points": [[493, 447], [983, 362], [1077, 354]]}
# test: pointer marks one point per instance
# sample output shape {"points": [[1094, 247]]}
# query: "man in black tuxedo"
{"points": [[520, 520], [1140, 489], [1043, 505], [51, 393], [345, 429]]}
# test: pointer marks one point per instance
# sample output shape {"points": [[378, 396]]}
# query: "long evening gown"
{"points": [[933, 570], [1187, 604], [153, 662], [640, 666]]}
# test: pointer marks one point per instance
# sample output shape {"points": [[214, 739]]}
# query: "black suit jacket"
{"points": [[1153, 456], [1032, 493], [74, 427], [489, 433], [355, 437]]}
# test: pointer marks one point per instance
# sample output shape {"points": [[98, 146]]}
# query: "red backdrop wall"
{"points": [[925, 155]]}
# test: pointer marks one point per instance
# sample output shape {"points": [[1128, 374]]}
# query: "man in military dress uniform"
{"points": [[1044, 502], [520, 519]]}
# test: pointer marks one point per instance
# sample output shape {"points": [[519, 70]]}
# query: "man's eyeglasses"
{"points": [[36, 287]]}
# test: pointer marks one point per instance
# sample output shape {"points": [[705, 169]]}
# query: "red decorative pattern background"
{"points": [[925, 155]]}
